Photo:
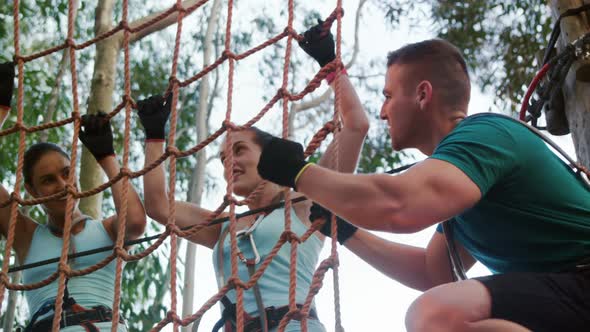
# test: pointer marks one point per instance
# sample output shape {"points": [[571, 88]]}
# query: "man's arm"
{"points": [[428, 193], [418, 268]]}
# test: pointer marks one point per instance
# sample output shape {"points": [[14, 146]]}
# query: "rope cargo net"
{"points": [[119, 253]]}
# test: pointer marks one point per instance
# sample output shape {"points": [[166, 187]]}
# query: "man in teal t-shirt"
{"points": [[530, 198], [514, 205]]}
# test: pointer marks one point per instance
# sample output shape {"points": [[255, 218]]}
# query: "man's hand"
{"points": [[153, 113], [345, 229], [281, 162], [97, 135], [319, 44]]}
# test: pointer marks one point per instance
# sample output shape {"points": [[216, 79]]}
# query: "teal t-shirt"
{"points": [[534, 214]]}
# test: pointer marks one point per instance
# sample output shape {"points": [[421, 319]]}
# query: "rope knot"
{"points": [[289, 236], [70, 189], [282, 92], [120, 251], [70, 42], [296, 314], [173, 81], [128, 100], [125, 171], [227, 54], [229, 125], [180, 8], [172, 228], [76, 115], [330, 126], [124, 25], [290, 31], [230, 199], [14, 197], [64, 267], [235, 282], [172, 150], [20, 126], [171, 316]]}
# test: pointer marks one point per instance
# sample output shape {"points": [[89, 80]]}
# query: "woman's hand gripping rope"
{"points": [[97, 135], [153, 114]]}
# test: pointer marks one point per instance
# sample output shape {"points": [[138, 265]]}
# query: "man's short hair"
{"points": [[441, 63]]}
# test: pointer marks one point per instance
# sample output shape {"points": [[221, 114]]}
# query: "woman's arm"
{"points": [[348, 143], [97, 136], [355, 126], [24, 225], [319, 44], [153, 113], [157, 202], [135, 219]]}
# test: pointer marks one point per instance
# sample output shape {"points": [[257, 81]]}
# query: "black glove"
{"points": [[345, 229], [320, 47], [281, 161], [6, 82], [97, 135], [153, 113]]}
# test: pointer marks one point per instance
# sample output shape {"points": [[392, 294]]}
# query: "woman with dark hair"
{"points": [[258, 233], [46, 171]]}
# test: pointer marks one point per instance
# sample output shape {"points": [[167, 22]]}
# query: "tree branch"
{"points": [[356, 46], [360, 77], [215, 89], [300, 107], [166, 22]]}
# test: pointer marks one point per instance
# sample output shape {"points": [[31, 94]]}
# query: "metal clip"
{"points": [[248, 232]]}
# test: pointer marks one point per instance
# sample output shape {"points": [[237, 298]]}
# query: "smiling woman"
{"points": [[258, 233], [46, 172]]}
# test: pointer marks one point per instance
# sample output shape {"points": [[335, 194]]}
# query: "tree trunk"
{"points": [[576, 91], [11, 305], [103, 85], [101, 93], [198, 176]]}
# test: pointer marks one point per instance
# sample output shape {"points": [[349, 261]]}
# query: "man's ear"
{"points": [[423, 94]]}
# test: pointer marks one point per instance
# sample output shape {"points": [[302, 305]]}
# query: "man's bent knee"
{"points": [[428, 314], [449, 307]]}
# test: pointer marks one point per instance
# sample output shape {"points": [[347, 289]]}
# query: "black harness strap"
{"points": [[80, 316]]}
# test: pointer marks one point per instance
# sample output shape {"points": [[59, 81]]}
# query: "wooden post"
{"points": [[576, 88]]}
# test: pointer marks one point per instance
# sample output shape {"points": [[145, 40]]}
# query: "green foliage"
{"points": [[499, 39], [146, 284]]}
